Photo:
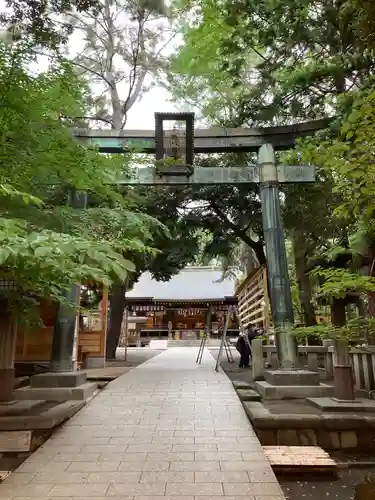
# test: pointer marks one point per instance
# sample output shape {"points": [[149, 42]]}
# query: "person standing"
{"points": [[244, 348]]}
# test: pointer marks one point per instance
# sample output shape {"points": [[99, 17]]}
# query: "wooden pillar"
{"points": [[170, 327], [126, 340], [104, 318], [208, 325], [8, 338]]}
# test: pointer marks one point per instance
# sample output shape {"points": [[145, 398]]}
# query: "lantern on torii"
{"points": [[174, 149]]}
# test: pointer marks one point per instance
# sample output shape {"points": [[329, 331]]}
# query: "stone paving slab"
{"points": [[169, 429]]}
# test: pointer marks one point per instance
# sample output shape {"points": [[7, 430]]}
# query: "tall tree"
{"points": [[40, 22], [282, 66], [311, 54], [46, 246], [194, 74], [123, 43]]}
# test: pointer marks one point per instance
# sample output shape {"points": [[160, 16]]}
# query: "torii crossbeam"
{"points": [[210, 140]]}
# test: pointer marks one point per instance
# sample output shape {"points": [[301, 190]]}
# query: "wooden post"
{"points": [[126, 332], [208, 325], [8, 338], [170, 327], [104, 318]]}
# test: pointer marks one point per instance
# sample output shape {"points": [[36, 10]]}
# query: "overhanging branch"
{"points": [[257, 246]]}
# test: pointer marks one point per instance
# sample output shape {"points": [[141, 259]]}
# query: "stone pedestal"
{"points": [[338, 405], [328, 360], [343, 372], [291, 377], [94, 362], [292, 384], [63, 386], [343, 381], [62, 379]]}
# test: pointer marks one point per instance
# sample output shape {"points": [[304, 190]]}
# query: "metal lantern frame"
{"points": [[186, 168]]}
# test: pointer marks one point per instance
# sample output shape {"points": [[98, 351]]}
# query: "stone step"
{"points": [[81, 392], [240, 384], [51, 380], [45, 419], [184, 343], [15, 441], [248, 395]]}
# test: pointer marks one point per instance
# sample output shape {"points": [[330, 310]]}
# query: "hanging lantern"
{"points": [[174, 149]]}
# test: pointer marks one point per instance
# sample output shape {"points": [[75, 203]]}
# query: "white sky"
{"points": [[141, 115]]}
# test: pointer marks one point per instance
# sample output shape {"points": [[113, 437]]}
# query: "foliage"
{"points": [[38, 20], [276, 61], [358, 330], [337, 283], [311, 53], [122, 43], [365, 20], [225, 214], [349, 156], [46, 246], [194, 75]]}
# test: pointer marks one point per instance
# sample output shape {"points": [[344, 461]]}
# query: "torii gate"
{"points": [[266, 173]]}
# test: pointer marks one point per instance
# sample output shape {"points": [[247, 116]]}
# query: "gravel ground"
{"points": [[341, 489]]}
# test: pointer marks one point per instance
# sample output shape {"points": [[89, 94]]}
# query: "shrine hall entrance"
{"points": [[195, 299]]}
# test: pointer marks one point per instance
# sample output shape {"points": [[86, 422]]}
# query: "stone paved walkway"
{"points": [[168, 429]]}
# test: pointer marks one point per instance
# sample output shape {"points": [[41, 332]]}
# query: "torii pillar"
{"points": [[277, 266], [289, 381]]}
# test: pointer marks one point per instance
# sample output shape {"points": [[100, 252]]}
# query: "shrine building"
{"points": [[181, 308]]}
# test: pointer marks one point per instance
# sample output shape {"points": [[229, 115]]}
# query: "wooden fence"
{"points": [[253, 301], [321, 359]]}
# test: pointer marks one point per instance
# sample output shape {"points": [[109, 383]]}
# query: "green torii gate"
{"points": [[266, 173]]}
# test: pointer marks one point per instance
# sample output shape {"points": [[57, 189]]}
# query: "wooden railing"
{"points": [[253, 301], [321, 359]]}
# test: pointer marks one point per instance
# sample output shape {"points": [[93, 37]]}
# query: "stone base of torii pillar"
{"points": [[283, 383], [292, 384]]}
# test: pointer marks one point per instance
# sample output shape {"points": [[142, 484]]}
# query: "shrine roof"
{"points": [[190, 284]]}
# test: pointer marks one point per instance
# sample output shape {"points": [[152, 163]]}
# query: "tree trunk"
{"points": [[371, 295], [303, 280], [117, 302], [8, 337], [338, 312]]}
